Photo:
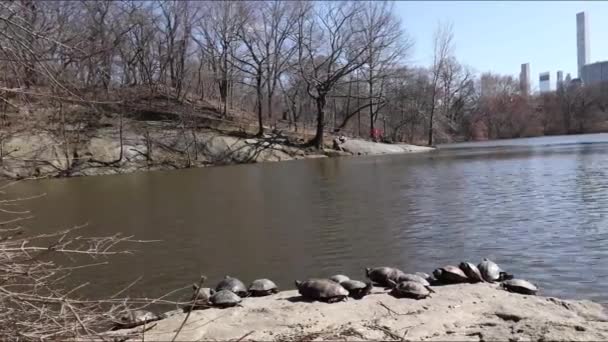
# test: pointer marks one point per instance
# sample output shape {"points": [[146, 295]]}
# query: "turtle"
{"points": [[262, 287], [225, 299], [199, 299], [356, 288], [200, 296], [411, 289], [233, 285], [133, 318], [339, 278], [382, 275], [322, 290], [412, 277], [426, 276], [490, 270], [450, 275], [472, 272], [519, 286]]}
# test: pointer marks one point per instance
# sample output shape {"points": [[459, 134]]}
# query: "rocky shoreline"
{"points": [[37, 153], [461, 312]]}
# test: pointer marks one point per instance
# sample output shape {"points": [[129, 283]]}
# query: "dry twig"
{"points": [[33, 303]]}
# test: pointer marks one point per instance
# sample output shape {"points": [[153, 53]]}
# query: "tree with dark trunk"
{"points": [[329, 49]]}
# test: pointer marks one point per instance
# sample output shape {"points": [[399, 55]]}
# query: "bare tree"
{"points": [[217, 34], [385, 45], [278, 21], [503, 110], [176, 28], [328, 40], [442, 49], [408, 100], [254, 59]]}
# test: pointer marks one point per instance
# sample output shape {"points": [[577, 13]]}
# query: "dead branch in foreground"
{"points": [[34, 305]]}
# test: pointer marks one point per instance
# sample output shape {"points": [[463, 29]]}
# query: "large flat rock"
{"points": [[364, 147], [456, 312]]}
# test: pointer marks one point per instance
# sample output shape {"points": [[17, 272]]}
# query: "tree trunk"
{"points": [[269, 103], [335, 114], [350, 87], [430, 142], [258, 87], [30, 66], [199, 84], [318, 139], [432, 115], [358, 110], [371, 110]]}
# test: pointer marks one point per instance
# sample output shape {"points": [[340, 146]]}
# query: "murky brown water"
{"points": [[538, 209]]}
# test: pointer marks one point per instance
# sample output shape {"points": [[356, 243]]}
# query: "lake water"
{"points": [[538, 207]]}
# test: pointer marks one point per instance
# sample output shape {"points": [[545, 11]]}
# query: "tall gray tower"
{"points": [[559, 82], [524, 79], [582, 41]]}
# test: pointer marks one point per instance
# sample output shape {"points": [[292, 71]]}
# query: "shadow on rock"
{"points": [[298, 299]]}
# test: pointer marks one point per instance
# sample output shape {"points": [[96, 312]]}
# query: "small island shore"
{"points": [[465, 312], [156, 146]]}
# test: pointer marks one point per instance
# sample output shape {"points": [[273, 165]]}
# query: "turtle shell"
{"points": [[339, 278], [519, 286], [426, 276], [134, 318], [489, 270], [356, 288], [472, 272], [233, 285], [383, 276], [225, 298], [200, 300], [322, 289], [411, 289], [262, 287], [412, 277], [450, 275]]}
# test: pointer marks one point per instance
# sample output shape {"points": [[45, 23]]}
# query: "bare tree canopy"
{"points": [[312, 66]]}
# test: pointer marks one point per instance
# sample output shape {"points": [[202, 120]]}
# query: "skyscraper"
{"points": [[559, 82], [582, 41], [595, 73], [544, 82], [524, 79]]}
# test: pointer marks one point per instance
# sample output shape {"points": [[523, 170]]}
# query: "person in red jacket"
{"points": [[376, 134]]}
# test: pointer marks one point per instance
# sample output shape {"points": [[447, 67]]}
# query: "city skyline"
{"points": [[487, 40]]}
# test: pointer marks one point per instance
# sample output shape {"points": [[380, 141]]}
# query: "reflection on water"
{"points": [[538, 209]]}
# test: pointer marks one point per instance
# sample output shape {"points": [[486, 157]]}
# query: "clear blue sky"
{"points": [[499, 36]]}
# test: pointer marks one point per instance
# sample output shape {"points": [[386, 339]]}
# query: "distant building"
{"points": [[575, 83], [595, 73], [524, 79], [568, 81], [484, 85], [559, 81], [582, 41], [544, 82]]}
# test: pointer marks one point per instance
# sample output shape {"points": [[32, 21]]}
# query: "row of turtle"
{"points": [[227, 293], [410, 285], [230, 291]]}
